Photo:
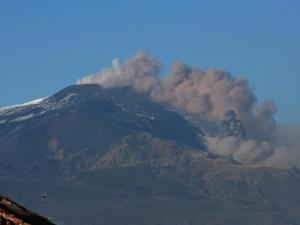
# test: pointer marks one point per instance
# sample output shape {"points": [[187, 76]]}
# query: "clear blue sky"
{"points": [[47, 45]]}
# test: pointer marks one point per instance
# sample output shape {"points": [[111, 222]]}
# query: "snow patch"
{"points": [[2, 121], [67, 98], [34, 102], [23, 118]]}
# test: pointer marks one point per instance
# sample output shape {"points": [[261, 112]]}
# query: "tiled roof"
{"points": [[13, 214]]}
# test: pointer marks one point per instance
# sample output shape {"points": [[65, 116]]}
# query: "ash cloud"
{"points": [[286, 143], [281, 149], [205, 95], [246, 151]]}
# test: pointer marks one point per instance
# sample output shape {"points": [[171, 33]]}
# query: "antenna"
{"points": [[44, 200]]}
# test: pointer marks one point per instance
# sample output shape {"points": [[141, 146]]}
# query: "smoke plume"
{"points": [[140, 72], [205, 95], [231, 126]]}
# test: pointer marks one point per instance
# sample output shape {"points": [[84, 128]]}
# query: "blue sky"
{"points": [[48, 45]]}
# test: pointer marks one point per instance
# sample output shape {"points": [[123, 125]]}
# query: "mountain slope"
{"points": [[84, 118]]}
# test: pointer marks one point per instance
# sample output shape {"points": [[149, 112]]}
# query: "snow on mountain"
{"points": [[31, 109], [34, 102], [126, 109]]}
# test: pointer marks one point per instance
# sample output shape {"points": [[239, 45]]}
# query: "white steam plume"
{"points": [[205, 95], [140, 72]]}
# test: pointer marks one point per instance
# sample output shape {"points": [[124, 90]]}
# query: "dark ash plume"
{"points": [[232, 126]]}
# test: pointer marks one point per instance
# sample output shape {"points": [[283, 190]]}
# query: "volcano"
{"points": [[113, 156]]}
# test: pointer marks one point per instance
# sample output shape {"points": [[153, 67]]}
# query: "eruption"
{"points": [[206, 95], [232, 126]]}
